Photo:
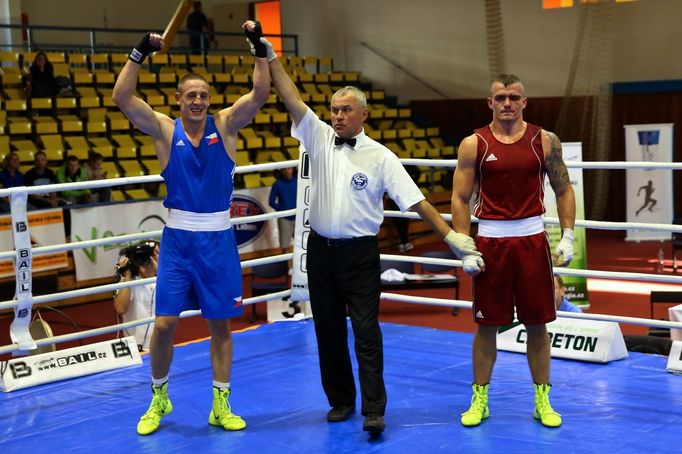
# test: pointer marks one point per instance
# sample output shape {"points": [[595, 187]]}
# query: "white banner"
{"points": [[74, 362], [675, 358], [299, 277], [571, 338], [96, 222], [47, 229], [19, 329], [102, 221], [649, 196]]}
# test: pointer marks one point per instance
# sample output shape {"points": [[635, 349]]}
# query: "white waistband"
{"points": [[516, 227], [198, 222]]}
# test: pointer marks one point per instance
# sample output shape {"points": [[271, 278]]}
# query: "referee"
{"points": [[349, 175]]}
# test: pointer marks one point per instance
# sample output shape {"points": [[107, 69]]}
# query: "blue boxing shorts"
{"points": [[199, 270]]}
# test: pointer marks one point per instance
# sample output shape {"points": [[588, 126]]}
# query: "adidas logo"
{"points": [[479, 314], [180, 143], [492, 157]]}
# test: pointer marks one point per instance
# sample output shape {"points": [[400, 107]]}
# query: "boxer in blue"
{"points": [[199, 263]]}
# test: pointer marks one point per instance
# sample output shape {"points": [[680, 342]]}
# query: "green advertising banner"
{"points": [[576, 287]]}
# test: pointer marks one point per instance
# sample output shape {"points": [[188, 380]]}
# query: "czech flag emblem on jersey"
{"points": [[213, 138]]}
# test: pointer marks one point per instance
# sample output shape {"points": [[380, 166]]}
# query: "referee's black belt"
{"points": [[340, 242]]}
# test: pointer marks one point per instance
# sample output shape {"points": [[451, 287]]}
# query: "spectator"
{"points": [[71, 172], [10, 177], [197, 26], [562, 304], [40, 175], [283, 197], [93, 171], [136, 262], [41, 82]]}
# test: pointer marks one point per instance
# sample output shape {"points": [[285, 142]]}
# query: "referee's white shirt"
{"points": [[348, 183]]}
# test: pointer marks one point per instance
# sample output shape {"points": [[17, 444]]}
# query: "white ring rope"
{"points": [[121, 326], [111, 287], [282, 257], [467, 305], [646, 165]]}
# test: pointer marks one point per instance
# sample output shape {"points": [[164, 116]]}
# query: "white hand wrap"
{"points": [[472, 264], [461, 244], [565, 248], [271, 55]]}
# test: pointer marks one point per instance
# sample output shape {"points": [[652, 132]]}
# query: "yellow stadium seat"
{"points": [[136, 194], [52, 142], [118, 121], [131, 168], [153, 166], [178, 60], [19, 125], [83, 78], [263, 156], [252, 180], [4, 145], [242, 158], [117, 195], [267, 181], [62, 69], [25, 156], [293, 152], [46, 125], [89, 98], [110, 170]]}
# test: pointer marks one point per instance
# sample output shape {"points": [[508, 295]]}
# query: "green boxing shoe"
{"points": [[160, 407]]}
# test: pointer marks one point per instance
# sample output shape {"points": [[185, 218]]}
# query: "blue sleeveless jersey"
{"points": [[199, 179]]}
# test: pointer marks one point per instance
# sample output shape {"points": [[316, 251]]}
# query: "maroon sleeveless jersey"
{"points": [[510, 176]]}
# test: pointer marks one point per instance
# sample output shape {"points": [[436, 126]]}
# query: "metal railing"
{"points": [[93, 40]]}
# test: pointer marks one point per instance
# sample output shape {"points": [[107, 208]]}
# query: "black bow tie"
{"points": [[339, 141]]}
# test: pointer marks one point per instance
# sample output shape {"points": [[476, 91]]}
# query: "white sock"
{"points": [[158, 382], [220, 385]]}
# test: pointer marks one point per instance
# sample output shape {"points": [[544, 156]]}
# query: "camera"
{"points": [[138, 255]]}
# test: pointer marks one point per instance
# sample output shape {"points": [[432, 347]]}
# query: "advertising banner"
{"points": [[299, 278], [102, 221], [649, 193], [571, 338], [576, 286], [49, 367], [46, 228]]}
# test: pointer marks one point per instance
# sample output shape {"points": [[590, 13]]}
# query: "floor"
{"points": [[627, 406]]}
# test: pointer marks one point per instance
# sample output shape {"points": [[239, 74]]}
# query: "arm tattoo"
{"points": [[556, 168]]}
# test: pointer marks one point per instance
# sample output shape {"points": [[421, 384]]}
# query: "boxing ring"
{"points": [[629, 405]]}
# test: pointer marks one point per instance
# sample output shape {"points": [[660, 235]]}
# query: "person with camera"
{"points": [[133, 303]]}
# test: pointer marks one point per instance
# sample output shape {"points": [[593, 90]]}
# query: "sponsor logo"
{"points": [[565, 341], [120, 349], [243, 205], [136, 55], [180, 143], [359, 181], [479, 314], [491, 157], [212, 138], [20, 370]]}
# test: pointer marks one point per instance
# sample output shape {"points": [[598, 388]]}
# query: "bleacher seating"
{"points": [[89, 121]]}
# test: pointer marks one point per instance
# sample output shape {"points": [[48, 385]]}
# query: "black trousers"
{"points": [[341, 278]]}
